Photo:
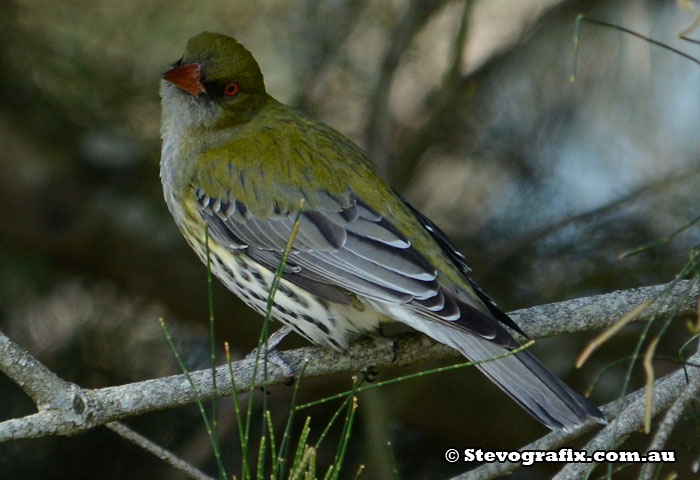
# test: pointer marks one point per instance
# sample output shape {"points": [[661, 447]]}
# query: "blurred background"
{"points": [[465, 106]]}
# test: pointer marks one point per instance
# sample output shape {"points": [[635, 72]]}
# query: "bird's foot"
{"points": [[268, 353], [386, 342], [370, 374]]}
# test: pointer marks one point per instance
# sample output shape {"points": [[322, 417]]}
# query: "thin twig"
{"points": [[416, 14], [686, 31], [583, 18], [445, 96], [504, 253], [146, 444], [649, 371], [608, 333]]}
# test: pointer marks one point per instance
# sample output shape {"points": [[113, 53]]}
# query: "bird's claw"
{"points": [[388, 343], [369, 374], [267, 352]]}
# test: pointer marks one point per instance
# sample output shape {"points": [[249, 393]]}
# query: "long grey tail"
{"points": [[521, 376], [531, 384]]}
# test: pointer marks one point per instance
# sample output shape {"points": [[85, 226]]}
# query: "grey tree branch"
{"points": [[599, 311], [673, 415], [666, 390], [65, 408], [37, 381]]}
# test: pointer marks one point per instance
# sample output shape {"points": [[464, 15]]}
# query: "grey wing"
{"points": [[344, 246]]}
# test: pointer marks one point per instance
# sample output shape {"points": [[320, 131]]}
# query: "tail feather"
{"points": [[480, 333], [534, 387]]}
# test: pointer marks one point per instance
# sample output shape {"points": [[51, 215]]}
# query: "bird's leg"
{"points": [[268, 351], [276, 337]]}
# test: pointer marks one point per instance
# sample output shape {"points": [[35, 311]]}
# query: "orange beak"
{"points": [[188, 77]]}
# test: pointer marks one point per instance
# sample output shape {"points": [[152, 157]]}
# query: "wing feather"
{"points": [[350, 246], [347, 248]]}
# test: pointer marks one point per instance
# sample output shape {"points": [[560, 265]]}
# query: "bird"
{"points": [[240, 170]]}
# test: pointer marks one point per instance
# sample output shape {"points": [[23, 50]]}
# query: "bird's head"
{"points": [[216, 83]]}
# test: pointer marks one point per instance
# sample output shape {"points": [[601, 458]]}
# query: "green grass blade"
{"points": [[336, 414], [280, 463], [394, 463], [214, 443], [271, 431], [575, 48], [212, 343], [660, 241], [360, 469], [301, 446], [348, 403], [334, 468], [347, 432], [245, 472], [261, 458]]}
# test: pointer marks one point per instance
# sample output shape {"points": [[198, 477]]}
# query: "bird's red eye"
{"points": [[231, 89]]}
